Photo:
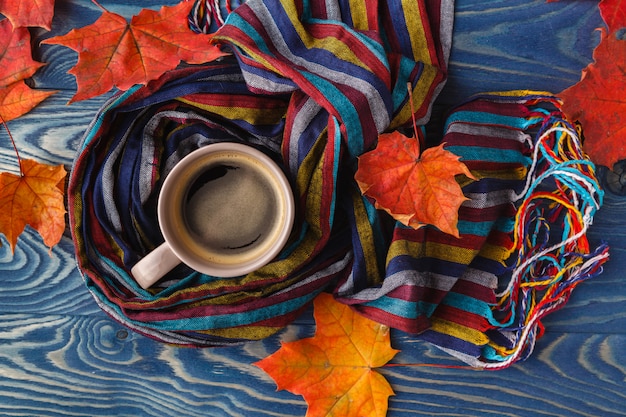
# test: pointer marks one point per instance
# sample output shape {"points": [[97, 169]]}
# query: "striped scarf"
{"points": [[313, 84]]}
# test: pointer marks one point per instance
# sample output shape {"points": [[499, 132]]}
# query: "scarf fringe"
{"points": [[207, 16], [561, 189]]}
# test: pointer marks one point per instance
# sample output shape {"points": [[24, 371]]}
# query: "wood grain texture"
{"points": [[35, 281], [51, 132], [89, 365], [509, 45], [60, 355]]}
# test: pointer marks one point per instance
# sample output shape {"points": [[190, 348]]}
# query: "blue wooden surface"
{"points": [[61, 356]]}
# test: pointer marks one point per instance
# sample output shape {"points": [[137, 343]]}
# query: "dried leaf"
{"points": [[333, 370], [23, 13], [114, 53], [415, 189], [34, 198], [599, 103]]}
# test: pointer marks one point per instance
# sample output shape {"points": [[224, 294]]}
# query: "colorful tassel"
{"points": [[558, 204], [207, 16]]}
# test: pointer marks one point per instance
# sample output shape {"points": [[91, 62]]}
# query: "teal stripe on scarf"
{"points": [[484, 228], [408, 310], [236, 20], [477, 117], [400, 92], [471, 305], [476, 153], [347, 112]]}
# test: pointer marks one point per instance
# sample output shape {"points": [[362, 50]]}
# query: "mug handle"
{"points": [[154, 265]]}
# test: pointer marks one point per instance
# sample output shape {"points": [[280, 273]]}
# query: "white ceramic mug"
{"points": [[225, 210]]}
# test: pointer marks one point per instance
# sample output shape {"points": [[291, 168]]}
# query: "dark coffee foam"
{"points": [[231, 207]]}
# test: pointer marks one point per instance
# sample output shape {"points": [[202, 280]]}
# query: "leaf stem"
{"points": [[429, 365], [420, 144], [99, 5], [19, 160]]}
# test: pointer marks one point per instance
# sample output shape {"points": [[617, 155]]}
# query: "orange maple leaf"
{"points": [[598, 102], [414, 189], [333, 370], [115, 53], [33, 198], [23, 13], [18, 99]]}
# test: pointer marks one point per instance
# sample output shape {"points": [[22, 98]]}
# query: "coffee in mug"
{"points": [[225, 209]]}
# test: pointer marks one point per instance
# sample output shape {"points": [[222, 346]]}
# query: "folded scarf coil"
{"points": [[313, 87]]}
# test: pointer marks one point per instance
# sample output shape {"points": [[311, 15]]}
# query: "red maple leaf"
{"points": [[16, 64], [414, 189], [599, 103], [115, 53], [23, 13], [613, 13]]}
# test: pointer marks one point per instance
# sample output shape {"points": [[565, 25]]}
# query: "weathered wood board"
{"points": [[61, 356]]}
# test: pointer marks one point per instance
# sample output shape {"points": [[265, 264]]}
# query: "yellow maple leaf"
{"points": [[334, 370]]}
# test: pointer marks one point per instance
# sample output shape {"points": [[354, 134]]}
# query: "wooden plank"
{"points": [[60, 355], [35, 281], [508, 45], [89, 365], [497, 45], [599, 303], [50, 133]]}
